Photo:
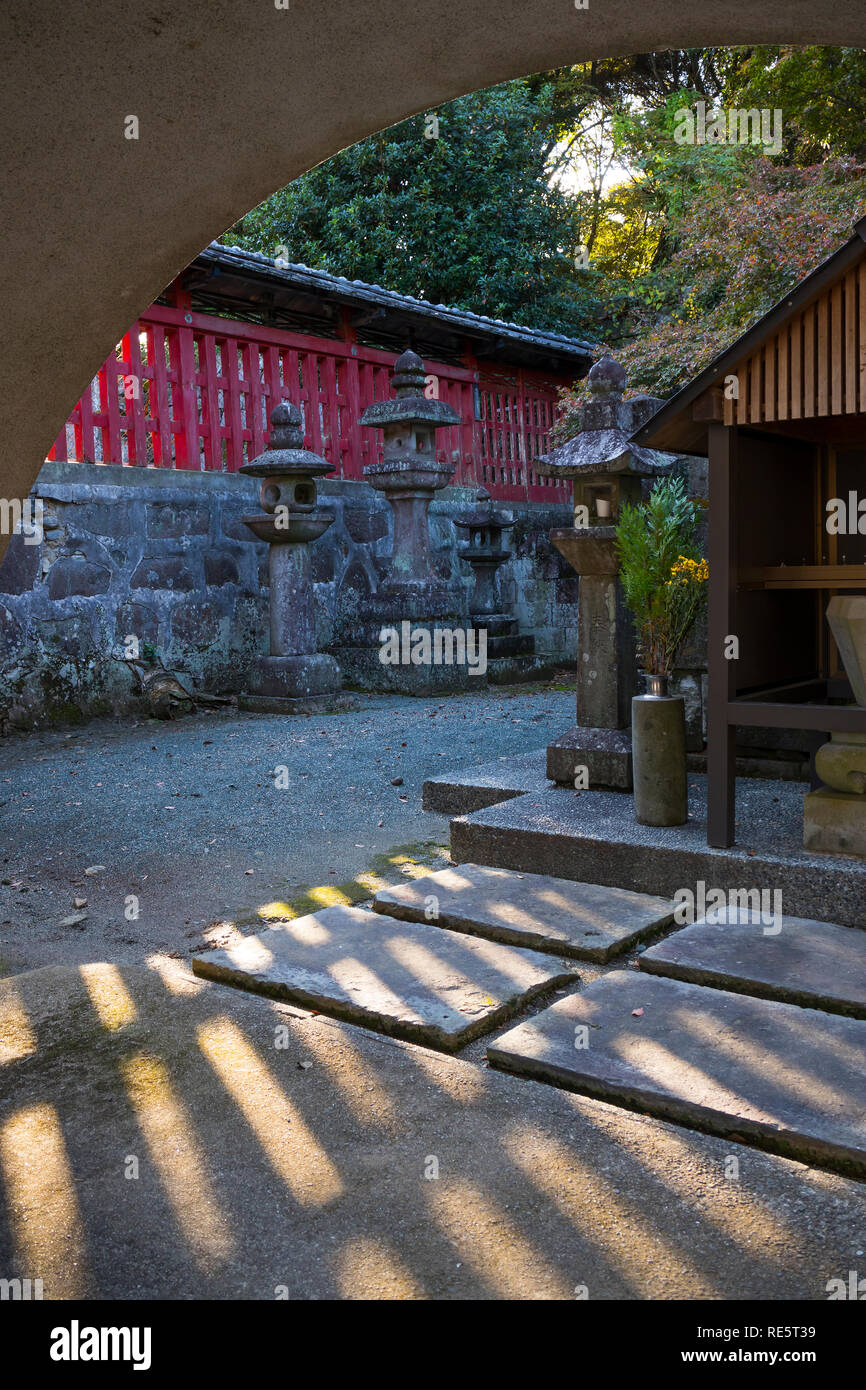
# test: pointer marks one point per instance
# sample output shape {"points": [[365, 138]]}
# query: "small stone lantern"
{"points": [[484, 550], [409, 475], [295, 678], [606, 471]]}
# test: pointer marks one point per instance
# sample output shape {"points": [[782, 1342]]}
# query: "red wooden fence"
{"points": [[190, 390]]}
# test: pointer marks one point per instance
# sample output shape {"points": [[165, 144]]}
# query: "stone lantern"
{"points": [[409, 475], [295, 678], [607, 471], [510, 653], [414, 606], [484, 550]]}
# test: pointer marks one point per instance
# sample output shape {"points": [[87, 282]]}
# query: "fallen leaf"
{"points": [[74, 920]]}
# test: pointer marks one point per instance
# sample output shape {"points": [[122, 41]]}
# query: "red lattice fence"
{"points": [[190, 390]]}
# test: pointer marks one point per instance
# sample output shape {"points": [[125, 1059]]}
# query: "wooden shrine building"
{"points": [[781, 416]]}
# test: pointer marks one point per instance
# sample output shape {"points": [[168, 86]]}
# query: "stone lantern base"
{"points": [[834, 822], [604, 753], [308, 684]]}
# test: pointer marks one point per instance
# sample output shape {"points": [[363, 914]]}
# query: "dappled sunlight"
{"points": [[424, 967], [368, 1268], [352, 1075], [515, 968], [108, 995], [178, 1157], [768, 1063], [42, 1202], [485, 1237], [730, 1204], [359, 982], [307, 931], [289, 1146], [17, 1038], [249, 953], [175, 975], [467, 1085], [672, 1073], [629, 1241]]}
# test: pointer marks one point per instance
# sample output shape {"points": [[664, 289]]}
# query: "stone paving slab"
{"points": [[420, 983], [814, 964], [787, 1079], [582, 920]]}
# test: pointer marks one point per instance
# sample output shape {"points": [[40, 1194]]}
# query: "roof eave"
{"points": [[474, 325], [666, 430]]}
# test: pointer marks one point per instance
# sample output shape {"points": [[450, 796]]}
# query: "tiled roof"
{"points": [[303, 277]]}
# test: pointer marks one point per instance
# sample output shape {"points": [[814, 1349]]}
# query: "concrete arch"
{"points": [[234, 99]]}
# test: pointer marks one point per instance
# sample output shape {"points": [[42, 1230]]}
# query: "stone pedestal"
{"points": [[834, 816], [607, 470], [295, 678], [834, 822]]}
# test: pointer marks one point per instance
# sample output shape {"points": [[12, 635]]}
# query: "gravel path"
{"points": [[188, 818]]}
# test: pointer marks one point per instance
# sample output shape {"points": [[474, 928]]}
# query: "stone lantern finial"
{"points": [[286, 428], [607, 377], [409, 376]]}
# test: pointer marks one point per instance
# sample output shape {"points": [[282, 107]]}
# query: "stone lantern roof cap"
{"points": [[484, 516], [600, 451], [285, 452], [409, 406], [602, 443]]}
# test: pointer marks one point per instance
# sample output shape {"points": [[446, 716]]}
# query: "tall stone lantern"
{"points": [[412, 601], [295, 678], [410, 475], [607, 471]]}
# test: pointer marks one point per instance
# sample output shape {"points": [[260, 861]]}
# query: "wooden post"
{"points": [[721, 672]]}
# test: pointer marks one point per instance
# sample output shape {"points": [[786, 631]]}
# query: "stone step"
{"points": [[419, 983], [815, 964], [592, 836], [786, 1079], [584, 921], [512, 644], [469, 789]]}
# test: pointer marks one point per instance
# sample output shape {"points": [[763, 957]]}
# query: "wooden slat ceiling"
{"points": [[814, 365]]}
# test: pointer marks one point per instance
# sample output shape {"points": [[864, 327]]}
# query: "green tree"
{"points": [[821, 93], [455, 206]]}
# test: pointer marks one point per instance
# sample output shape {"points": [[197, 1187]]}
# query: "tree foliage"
{"points": [[488, 206], [464, 216]]}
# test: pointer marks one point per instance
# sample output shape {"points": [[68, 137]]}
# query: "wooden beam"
{"points": [[766, 714], [710, 405], [722, 616]]}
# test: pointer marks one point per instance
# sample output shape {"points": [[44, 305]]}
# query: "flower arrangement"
{"points": [[664, 577]]}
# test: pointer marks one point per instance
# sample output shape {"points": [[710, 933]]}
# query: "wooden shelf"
{"points": [[803, 577]]}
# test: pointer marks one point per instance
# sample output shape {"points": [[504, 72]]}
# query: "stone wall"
{"points": [[166, 557]]}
